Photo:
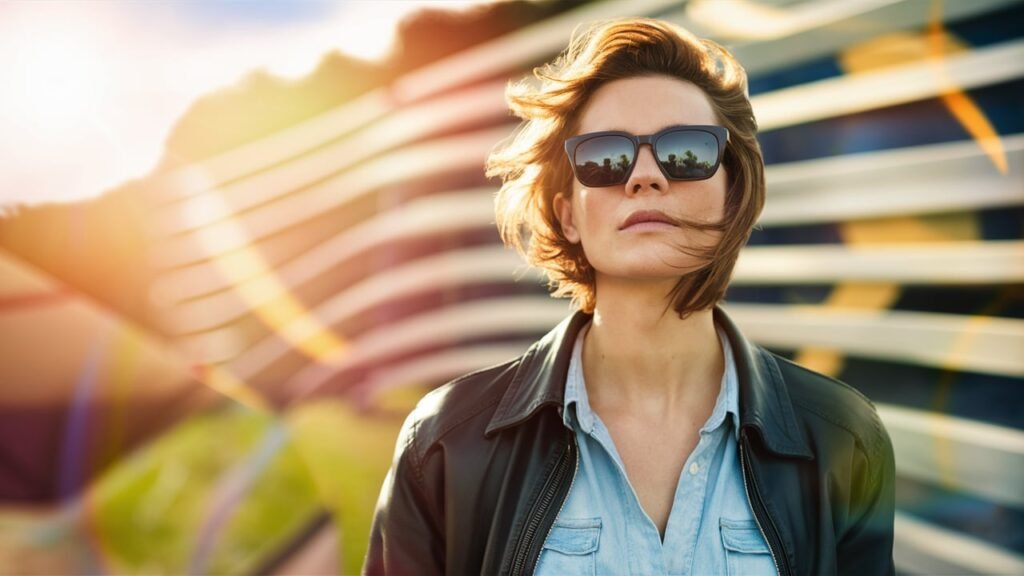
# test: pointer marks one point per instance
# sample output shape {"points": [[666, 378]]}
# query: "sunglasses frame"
{"points": [[720, 133]]}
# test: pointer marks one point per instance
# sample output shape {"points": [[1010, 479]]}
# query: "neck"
{"points": [[641, 357]]}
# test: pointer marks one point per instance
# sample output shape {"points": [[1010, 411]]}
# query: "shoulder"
{"points": [[823, 402], [462, 405]]}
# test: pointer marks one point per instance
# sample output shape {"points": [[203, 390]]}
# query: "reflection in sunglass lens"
{"points": [[690, 155], [603, 161]]}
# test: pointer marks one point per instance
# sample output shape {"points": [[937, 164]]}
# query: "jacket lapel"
{"points": [[765, 405], [540, 379], [764, 396]]}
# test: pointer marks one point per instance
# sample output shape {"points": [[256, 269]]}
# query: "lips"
{"points": [[641, 216]]}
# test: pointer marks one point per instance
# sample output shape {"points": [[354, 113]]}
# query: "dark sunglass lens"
{"points": [[688, 155], [603, 161]]}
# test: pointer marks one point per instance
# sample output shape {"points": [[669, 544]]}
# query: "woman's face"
{"points": [[594, 217]]}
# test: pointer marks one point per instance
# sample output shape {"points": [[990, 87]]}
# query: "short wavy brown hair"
{"points": [[533, 168]]}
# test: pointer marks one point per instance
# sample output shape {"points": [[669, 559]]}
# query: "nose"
{"points": [[646, 174]]}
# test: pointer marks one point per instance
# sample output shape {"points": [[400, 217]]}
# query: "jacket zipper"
{"points": [[576, 469], [759, 511], [541, 507]]}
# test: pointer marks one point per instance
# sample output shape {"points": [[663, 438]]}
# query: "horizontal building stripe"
{"points": [[435, 157], [472, 107], [973, 457], [989, 398], [208, 320], [528, 315], [889, 87], [823, 29], [923, 548], [976, 343], [270, 151], [430, 215], [918, 180], [440, 367], [935, 263]]}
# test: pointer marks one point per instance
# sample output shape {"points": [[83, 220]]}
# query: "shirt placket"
{"points": [[645, 555], [687, 513]]}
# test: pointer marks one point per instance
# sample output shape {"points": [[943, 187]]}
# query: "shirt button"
{"points": [[694, 468]]}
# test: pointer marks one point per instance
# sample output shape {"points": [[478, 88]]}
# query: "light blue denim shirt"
{"points": [[602, 529]]}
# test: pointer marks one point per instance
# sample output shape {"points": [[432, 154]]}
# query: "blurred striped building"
{"points": [[278, 307]]}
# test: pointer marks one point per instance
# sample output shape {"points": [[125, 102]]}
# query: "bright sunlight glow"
{"points": [[92, 89]]}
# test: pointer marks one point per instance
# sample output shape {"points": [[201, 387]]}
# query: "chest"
{"points": [[654, 457]]}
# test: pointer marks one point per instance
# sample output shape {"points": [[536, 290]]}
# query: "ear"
{"points": [[563, 210]]}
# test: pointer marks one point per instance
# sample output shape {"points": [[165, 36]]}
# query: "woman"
{"points": [[644, 434]]}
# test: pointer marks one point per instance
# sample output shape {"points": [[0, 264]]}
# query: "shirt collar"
{"points": [[536, 382], [577, 403]]}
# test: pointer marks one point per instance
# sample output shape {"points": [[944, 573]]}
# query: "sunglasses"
{"points": [[683, 153]]}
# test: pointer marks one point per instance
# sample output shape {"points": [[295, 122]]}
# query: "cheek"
{"points": [[722, 187], [584, 208], [710, 200]]}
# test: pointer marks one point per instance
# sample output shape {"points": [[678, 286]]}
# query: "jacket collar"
{"points": [[765, 405]]}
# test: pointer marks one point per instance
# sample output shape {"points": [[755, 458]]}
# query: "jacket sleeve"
{"points": [[866, 546], [406, 536]]}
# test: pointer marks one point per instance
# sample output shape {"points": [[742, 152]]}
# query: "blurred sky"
{"points": [[92, 89]]}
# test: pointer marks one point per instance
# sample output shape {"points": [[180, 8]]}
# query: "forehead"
{"points": [[644, 105]]}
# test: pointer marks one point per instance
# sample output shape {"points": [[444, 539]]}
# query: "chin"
{"points": [[654, 261], [649, 268]]}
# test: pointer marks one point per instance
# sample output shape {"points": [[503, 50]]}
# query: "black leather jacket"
{"points": [[483, 464]]}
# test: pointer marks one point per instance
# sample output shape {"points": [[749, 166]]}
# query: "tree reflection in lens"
{"points": [[687, 154], [604, 161]]}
